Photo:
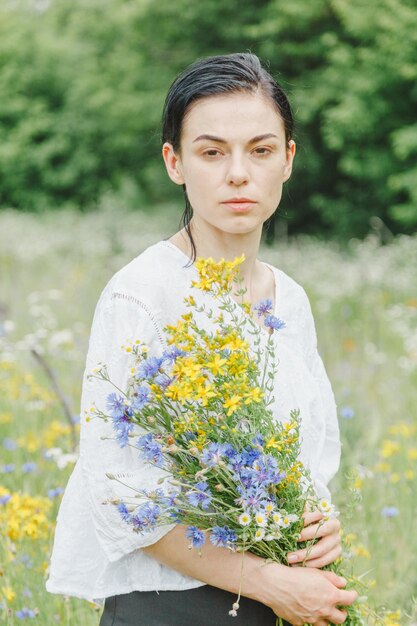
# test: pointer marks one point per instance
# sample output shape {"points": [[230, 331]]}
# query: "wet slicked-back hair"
{"points": [[217, 75]]}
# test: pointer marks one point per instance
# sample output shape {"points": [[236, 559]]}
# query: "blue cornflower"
{"points": [[149, 367], [200, 496], [4, 499], [116, 405], [25, 559], [258, 440], [263, 307], [222, 536], [389, 511], [145, 516], [29, 467], [266, 471], [163, 380], [197, 536], [213, 453], [172, 353], [141, 399], [53, 493], [249, 455], [347, 412], [27, 592], [24, 613], [274, 322], [8, 468], [253, 498], [122, 428], [9, 444], [151, 449], [124, 513]]}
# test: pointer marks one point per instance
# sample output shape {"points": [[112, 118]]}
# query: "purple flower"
{"points": [[29, 467], [222, 536], [151, 450], [274, 322], [263, 307], [145, 517], [24, 613], [196, 535], [141, 399], [213, 453], [149, 367], [8, 468], [116, 405], [389, 511], [163, 380], [124, 513], [200, 496], [347, 412], [53, 493], [9, 444], [4, 499], [172, 353]]}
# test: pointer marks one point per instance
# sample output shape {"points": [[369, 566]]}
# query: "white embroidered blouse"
{"points": [[95, 553]]}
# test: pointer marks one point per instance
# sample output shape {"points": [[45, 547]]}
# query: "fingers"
{"points": [[326, 559], [311, 517], [346, 597], [320, 530], [320, 549], [337, 616]]}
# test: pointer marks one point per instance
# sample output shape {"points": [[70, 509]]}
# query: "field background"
{"points": [[53, 267]]}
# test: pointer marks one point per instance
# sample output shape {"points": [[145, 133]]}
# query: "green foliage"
{"points": [[83, 85]]}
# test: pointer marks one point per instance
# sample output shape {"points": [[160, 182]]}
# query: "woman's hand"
{"points": [[308, 596], [326, 550]]}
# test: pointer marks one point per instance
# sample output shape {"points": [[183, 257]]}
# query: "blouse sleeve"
{"points": [[329, 460], [118, 318]]}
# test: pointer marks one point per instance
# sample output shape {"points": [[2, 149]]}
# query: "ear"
{"points": [[172, 163], [289, 159]]}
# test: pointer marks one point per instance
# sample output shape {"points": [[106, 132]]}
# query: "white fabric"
{"points": [[95, 553]]}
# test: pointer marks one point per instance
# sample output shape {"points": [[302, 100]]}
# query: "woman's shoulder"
{"points": [[288, 288], [152, 277]]}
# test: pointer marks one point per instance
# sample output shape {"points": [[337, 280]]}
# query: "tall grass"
{"points": [[364, 298]]}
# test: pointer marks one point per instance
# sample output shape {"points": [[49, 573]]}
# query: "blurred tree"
{"points": [[83, 84]]}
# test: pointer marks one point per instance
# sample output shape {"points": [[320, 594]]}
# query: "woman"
{"points": [[227, 139]]}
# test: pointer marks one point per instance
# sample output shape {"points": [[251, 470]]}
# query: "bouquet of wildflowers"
{"points": [[231, 472]]}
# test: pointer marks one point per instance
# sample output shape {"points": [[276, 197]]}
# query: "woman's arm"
{"points": [[298, 595]]}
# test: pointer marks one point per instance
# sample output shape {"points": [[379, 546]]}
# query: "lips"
{"points": [[239, 205]]}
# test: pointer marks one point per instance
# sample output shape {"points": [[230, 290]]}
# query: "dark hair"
{"points": [[212, 76]]}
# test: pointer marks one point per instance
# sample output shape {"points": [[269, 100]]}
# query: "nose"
{"points": [[237, 173]]}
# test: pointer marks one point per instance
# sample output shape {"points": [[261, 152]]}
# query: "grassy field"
{"points": [[364, 298]]}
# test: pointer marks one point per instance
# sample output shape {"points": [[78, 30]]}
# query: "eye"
{"points": [[212, 152], [262, 150]]}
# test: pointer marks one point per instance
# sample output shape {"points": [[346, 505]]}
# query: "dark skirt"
{"points": [[202, 606]]}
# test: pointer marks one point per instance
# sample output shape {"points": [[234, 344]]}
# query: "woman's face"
{"points": [[232, 147]]}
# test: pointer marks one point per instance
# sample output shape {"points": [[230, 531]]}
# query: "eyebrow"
{"points": [[220, 140]]}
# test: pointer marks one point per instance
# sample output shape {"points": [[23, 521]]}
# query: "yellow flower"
{"points": [[412, 454], [389, 448], [360, 550], [232, 404], [216, 364], [8, 593], [254, 395]]}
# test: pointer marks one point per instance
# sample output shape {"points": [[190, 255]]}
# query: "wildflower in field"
{"points": [[8, 593], [389, 511], [54, 493], [29, 467], [25, 613], [9, 444], [259, 534], [347, 412]]}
